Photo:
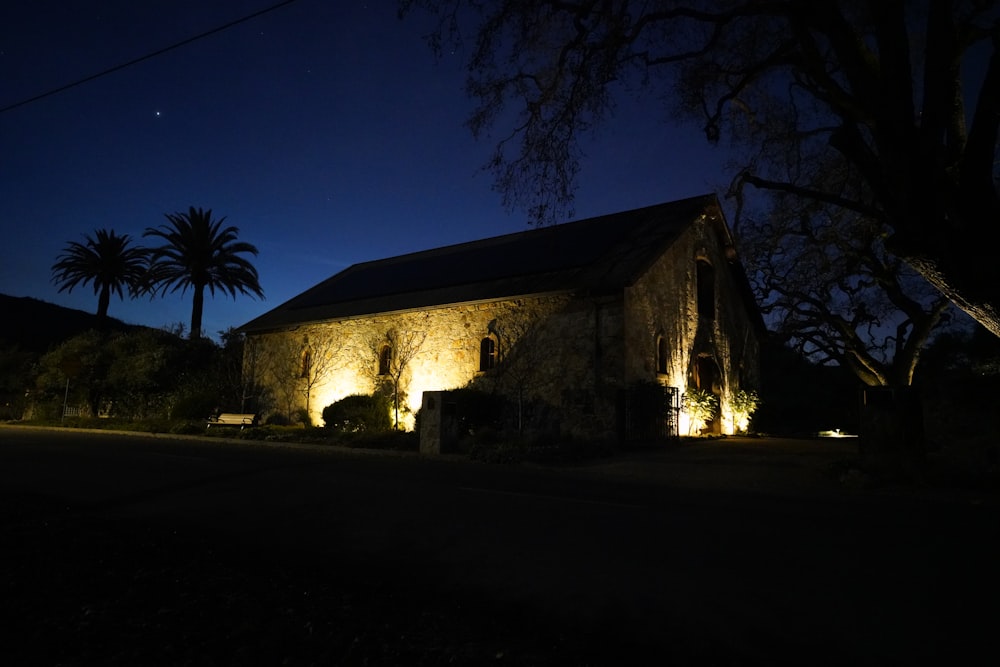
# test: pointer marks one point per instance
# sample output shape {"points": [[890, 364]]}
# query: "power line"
{"points": [[146, 57]]}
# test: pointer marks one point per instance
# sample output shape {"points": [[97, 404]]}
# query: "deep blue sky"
{"points": [[325, 131]]}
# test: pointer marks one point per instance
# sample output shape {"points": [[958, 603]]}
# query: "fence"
{"points": [[649, 413]]}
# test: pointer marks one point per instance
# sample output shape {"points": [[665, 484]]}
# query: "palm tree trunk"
{"points": [[197, 307], [103, 300]]}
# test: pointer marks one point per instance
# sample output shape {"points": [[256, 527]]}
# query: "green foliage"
{"points": [[357, 413], [140, 373], [137, 375], [700, 405], [83, 361], [744, 404]]}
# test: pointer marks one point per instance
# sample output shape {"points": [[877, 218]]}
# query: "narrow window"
{"points": [[306, 364], [385, 360], [706, 290], [487, 354], [661, 355]]}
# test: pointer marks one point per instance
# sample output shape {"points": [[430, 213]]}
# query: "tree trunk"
{"points": [[954, 249], [979, 309], [197, 307], [103, 301], [892, 445]]}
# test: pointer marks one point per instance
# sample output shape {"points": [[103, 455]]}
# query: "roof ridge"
{"points": [[600, 252]]}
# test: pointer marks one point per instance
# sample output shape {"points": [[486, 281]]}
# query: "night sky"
{"points": [[325, 131]]}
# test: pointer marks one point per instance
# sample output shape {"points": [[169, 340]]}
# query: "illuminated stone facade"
{"points": [[710, 344], [580, 312]]}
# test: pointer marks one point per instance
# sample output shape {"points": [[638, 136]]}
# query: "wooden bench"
{"points": [[233, 419]]}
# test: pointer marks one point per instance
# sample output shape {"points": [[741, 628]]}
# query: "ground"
{"points": [[106, 587]]}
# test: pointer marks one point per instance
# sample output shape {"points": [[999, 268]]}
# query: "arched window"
{"points": [[385, 360], [487, 354], [706, 289], [661, 355]]}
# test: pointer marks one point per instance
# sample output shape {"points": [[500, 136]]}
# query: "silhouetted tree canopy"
{"points": [[901, 100], [198, 253], [829, 287], [111, 263]]}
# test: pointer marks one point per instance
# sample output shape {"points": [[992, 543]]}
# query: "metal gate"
{"points": [[650, 412]]}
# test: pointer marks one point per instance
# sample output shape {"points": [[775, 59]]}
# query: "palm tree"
{"points": [[199, 253], [107, 260]]}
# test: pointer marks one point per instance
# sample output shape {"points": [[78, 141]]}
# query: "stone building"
{"points": [[566, 317]]}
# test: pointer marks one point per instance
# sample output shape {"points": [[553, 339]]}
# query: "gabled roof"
{"points": [[600, 254]]}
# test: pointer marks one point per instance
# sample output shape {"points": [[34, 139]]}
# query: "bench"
{"points": [[233, 419]]}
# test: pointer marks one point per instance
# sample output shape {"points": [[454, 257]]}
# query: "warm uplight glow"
{"points": [[835, 433], [426, 372]]}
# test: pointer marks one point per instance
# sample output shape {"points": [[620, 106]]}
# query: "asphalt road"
{"points": [[736, 576]]}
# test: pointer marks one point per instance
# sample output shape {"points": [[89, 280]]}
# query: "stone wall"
{"points": [[663, 303], [551, 348], [568, 356]]}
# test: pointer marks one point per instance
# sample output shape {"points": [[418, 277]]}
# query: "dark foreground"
{"points": [[98, 592], [131, 551]]}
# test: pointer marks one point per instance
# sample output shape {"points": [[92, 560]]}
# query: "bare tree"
{"points": [[253, 389], [903, 97], [319, 359], [280, 367], [393, 351], [296, 365], [522, 357], [841, 297]]}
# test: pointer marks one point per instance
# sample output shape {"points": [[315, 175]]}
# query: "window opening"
{"points": [[661, 355], [487, 354], [385, 360], [306, 364]]}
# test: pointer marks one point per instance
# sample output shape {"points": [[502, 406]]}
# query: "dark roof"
{"points": [[597, 254]]}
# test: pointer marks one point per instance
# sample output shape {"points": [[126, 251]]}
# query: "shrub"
{"points": [[278, 419], [193, 405], [701, 406], [302, 417], [744, 404], [358, 412]]}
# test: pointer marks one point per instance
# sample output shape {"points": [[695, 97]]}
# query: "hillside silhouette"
{"points": [[36, 325]]}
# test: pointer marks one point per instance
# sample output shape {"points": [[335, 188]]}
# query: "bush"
{"points": [[477, 411], [302, 417], [277, 419], [744, 404], [701, 407], [357, 413], [193, 405]]}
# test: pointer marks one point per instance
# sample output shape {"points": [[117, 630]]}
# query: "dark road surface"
{"points": [[703, 575]]}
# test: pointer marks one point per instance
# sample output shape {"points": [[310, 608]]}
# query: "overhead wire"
{"points": [[140, 59]]}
